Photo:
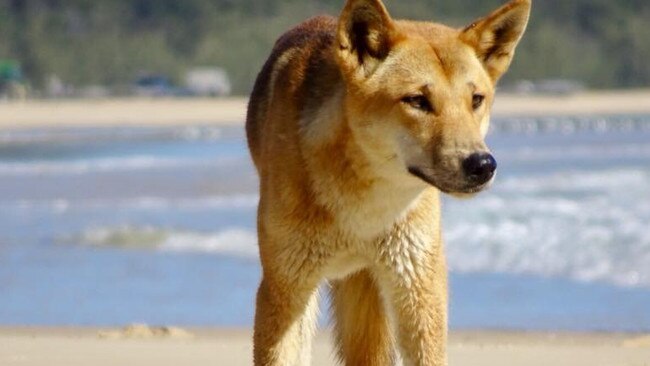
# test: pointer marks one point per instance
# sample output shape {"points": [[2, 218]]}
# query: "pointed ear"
{"points": [[364, 35], [495, 37]]}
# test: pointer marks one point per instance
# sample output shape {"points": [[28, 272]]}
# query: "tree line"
{"points": [[601, 43]]}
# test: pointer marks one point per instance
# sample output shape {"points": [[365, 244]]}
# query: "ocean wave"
{"points": [[610, 180], [566, 238], [100, 165], [554, 153], [232, 241], [552, 246], [62, 205], [567, 125], [587, 226], [113, 134]]}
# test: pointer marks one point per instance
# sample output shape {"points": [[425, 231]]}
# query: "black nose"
{"points": [[479, 167]]}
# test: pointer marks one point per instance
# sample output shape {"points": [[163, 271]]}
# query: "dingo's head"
{"points": [[419, 94]]}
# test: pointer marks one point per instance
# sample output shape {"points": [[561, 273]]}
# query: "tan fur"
{"points": [[355, 125]]}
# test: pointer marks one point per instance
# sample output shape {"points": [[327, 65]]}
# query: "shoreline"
{"points": [[72, 346], [16, 115]]}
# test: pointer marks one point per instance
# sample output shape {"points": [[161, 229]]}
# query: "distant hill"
{"points": [[602, 43]]}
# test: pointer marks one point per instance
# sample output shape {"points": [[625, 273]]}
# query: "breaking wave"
{"points": [[233, 241], [587, 226]]}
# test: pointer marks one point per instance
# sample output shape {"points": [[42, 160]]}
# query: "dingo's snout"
{"points": [[479, 168]]}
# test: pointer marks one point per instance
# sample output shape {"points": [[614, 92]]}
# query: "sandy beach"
{"points": [[80, 347], [232, 111]]}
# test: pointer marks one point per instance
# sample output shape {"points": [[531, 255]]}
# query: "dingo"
{"points": [[355, 125]]}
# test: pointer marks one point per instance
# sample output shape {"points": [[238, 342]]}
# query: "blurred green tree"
{"points": [[602, 43]]}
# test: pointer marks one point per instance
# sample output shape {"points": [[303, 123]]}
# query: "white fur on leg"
{"points": [[307, 327]]}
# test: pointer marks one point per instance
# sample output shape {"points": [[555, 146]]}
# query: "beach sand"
{"points": [[232, 111], [85, 346]]}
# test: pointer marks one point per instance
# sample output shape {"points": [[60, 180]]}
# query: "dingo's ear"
{"points": [[495, 37], [364, 35]]}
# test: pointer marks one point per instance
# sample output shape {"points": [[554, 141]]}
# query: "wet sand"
{"points": [[86, 346], [232, 111]]}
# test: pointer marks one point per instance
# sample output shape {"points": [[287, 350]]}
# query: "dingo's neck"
{"points": [[366, 200]]}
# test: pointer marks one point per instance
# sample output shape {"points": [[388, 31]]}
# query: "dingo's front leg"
{"points": [[363, 335], [415, 291], [285, 318]]}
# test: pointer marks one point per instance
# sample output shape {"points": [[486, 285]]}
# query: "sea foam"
{"points": [[231, 241], [587, 226]]}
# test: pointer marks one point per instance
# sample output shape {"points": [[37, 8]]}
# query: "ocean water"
{"points": [[156, 225]]}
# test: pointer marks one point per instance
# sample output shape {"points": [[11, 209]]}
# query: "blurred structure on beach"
{"points": [[11, 80]]}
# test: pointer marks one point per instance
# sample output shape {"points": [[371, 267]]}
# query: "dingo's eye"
{"points": [[477, 100], [418, 101]]}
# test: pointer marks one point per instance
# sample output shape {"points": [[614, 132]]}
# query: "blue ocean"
{"points": [[110, 226]]}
